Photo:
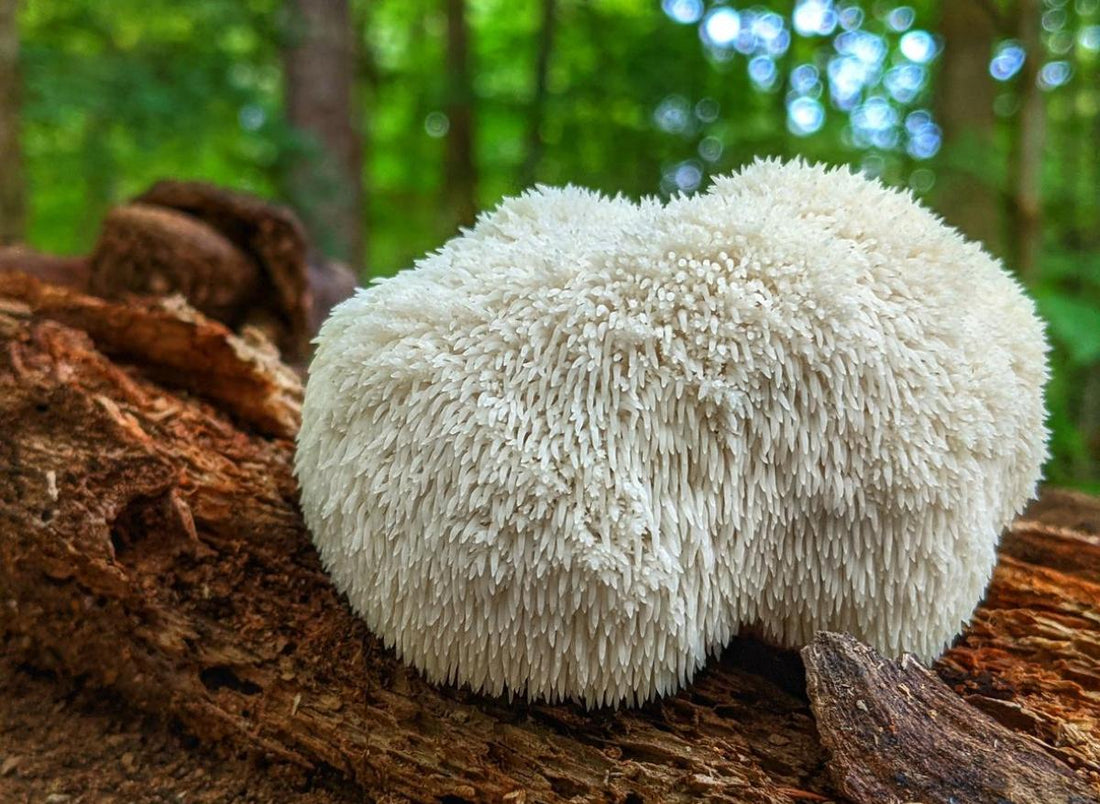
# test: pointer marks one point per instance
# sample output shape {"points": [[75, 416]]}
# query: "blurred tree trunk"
{"points": [[965, 94], [460, 170], [1027, 147], [320, 67], [1087, 463], [538, 100], [13, 204]]}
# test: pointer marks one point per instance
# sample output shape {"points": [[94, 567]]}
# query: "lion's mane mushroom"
{"points": [[582, 445]]}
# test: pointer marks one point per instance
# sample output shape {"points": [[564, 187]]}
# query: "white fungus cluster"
{"points": [[584, 444]]}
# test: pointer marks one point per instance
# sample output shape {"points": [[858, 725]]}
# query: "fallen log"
{"points": [[179, 347], [151, 546], [236, 258], [896, 733]]}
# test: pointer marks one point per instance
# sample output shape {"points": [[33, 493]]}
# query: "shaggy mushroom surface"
{"points": [[581, 446]]}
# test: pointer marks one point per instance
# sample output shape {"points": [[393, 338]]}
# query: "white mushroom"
{"points": [[580, 447]]}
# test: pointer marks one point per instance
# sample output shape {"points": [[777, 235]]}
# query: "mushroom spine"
{"points": [[581, 446]]}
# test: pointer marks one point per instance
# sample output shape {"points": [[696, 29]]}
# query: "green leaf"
{"points": [[1075, 324]]}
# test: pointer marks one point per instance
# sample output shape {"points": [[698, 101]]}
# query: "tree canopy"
{"points": [[988, 110]]}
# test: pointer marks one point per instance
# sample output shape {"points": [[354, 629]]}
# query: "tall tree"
{"points": [[460, 168], [12, 186], [1027, 150], [320, 68], [965, 94], [538, 99]]}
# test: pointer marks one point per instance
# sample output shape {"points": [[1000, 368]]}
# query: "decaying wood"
{"points": [[156, 549], [1031, 656], [151, 545], [177, 346], [269, 234], [150, 250], [237, 259], [72, 272], [896, 733]]}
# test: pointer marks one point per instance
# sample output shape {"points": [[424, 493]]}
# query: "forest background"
{"points": [[388, 124]]}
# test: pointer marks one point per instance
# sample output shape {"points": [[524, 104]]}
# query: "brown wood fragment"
{"points": [[896, 733], [72, 272], [178, 346], [269, 234], [154, 251]]}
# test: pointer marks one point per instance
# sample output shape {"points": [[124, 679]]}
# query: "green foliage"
{"points": [[1074, 326], [119, 94]]}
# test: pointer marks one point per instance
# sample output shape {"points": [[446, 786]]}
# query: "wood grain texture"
{"points": [[896, 733], [152, 548]]}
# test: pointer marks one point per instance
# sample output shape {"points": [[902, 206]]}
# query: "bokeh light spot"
{"points": [[919, 46], [721, 27], [763, 72], [707, 110], [921, 180], [685, 12], [814, 18], [673, 114], [711, 149], [1054, 74], [437, 124], [901, 18], [1007, 60], [804, 78], [805, 116]]}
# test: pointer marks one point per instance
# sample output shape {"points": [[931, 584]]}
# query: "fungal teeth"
{"points": [[571, 453]]}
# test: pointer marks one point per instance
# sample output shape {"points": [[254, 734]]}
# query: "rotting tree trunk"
{"points": [[155, 251], [13, 200], [152, 546], [267, 234], [874, 717], [320, 67]]}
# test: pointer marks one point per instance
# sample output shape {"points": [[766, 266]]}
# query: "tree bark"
{"points": [[13, 202], [459, 167], [538, 98], [874, 717], [964, 107], [320, 67], [1027, 150], [152, 547]]}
